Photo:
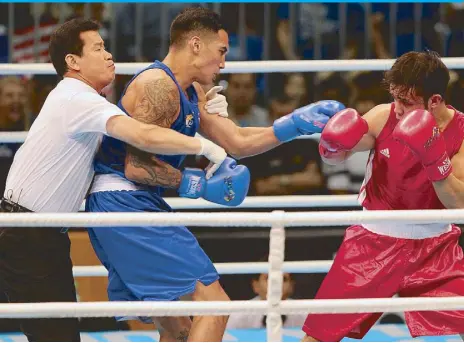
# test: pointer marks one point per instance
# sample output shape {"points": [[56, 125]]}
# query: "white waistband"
{"points": [[408, 231], [112, 182]]}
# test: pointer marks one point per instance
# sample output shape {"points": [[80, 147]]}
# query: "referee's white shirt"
{"points": [[253, 321], [53, 169]]}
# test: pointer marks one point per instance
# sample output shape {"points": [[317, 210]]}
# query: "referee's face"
{"points": [[96, 64]]}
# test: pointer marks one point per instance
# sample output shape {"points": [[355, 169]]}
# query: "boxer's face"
{"points": [[406, 101], [211, 57], [96, 64]]}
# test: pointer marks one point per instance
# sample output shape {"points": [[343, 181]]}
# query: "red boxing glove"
{"points": [[343, 131], [419, 132], [335, 156]]}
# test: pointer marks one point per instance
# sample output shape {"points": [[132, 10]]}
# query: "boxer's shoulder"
{"points": [[154, 79], [153, 97], [376, 118]]}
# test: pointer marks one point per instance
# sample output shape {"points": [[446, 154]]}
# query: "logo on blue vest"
{"points": [[189, 120]]}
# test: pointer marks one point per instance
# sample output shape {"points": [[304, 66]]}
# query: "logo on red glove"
{"points": [[229, 193], [435, 135], [445, 167]]}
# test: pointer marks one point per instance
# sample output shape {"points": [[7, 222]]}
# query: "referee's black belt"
{"points": [[9, 206]]}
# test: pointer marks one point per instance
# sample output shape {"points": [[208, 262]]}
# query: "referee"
{"points": [[53, 169]]}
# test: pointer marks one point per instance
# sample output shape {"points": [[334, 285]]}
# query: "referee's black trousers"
{"points": [[35, 266]]}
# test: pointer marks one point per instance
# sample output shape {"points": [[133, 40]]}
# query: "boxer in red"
{"points": [[416, 162]]}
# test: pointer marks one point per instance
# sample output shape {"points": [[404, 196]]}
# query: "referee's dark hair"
{"points": [[66, 40]]}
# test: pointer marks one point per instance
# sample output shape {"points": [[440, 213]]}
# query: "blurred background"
{"points": [[139, 32]]}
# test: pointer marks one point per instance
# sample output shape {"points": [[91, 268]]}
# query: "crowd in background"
{"points": [[285, 31], [297, 31]]}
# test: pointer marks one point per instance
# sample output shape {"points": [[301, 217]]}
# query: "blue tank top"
{"points": [[111, 155]]}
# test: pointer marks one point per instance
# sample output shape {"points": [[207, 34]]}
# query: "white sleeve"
{"points": [[89, 112]]}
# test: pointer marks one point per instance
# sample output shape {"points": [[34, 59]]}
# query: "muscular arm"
{"points": [[147, 169], [151, 138], [450, 191], [156, 102], [239, 142]]}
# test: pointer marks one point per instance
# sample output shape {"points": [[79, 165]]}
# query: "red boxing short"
{"points": [[369, 265]]}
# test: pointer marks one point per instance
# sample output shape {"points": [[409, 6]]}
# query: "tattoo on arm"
{"points": [[157, 105], [182, 336], [152, 171]]}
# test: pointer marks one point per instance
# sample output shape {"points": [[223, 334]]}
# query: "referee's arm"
{"points": [[152, 138]]}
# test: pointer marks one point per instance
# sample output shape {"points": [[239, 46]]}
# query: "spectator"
{"points": [[14, 105], [97, 13], [152, 19], [312, 20], [294, 168], [405, 26], [241, 96], [13, 117], [456, 89], [296, 88], [252, 48], [259, 286], [334, 87], [455, 28], [281, 106], [41, 86], [293, 94]]}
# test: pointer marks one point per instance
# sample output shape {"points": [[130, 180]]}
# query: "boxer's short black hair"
{"points": [[194, 19], [421, 72], [66, 40]]}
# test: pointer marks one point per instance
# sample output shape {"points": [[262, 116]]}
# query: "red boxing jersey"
{"points": [[395, 178]]}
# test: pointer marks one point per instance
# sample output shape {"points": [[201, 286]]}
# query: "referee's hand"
{"points": [[214, 153]]}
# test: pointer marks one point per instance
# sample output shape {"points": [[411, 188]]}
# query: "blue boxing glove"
{"points": [[306, 120], [228, 186]]}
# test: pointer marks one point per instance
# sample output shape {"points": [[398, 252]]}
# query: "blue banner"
{"points": [[379, 333]]}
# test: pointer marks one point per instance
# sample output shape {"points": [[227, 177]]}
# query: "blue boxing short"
{"points": [[149, 262]]}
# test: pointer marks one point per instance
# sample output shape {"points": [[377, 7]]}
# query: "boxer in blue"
{"points": [[165, 263]]}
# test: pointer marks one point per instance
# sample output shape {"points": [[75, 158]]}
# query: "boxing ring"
{"points": [[277, 221]]}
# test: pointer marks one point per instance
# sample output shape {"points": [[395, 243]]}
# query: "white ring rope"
{"points": [[286, 201], [195, 308], [244, 66], [231, 268], [243, 219], [283, 201], [13, 136]]}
